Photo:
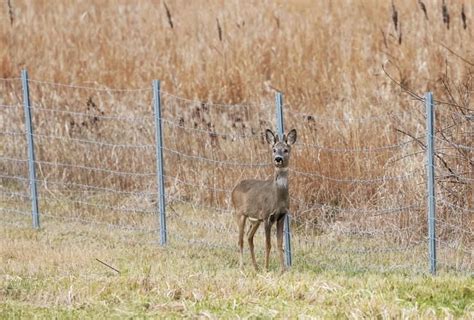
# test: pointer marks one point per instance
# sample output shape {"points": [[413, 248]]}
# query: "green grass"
{"points": [[53, 273]]}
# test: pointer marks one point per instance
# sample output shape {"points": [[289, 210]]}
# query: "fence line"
{"points": [[370, 250], [70, 185], [100, 206], [356, 180], [136, 120], [311, 117], [452, 174], [12, 159], [181, 200], [16, 211], [122, 190], [361, 150], [116, 172], [367, 211], [95, 142], [455, 145], [6, 106], [4, 176], [97, 223], [10, 79], [11, 133], [165, 93], [202, 103], [452, 205], [211, 133], [15, 194], [86, 87], [215, 161], [452, 226], [176, 179]]}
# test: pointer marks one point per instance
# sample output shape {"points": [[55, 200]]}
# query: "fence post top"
{"points": [[24, 74]]}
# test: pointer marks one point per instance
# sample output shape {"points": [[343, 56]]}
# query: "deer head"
{"points": [[281, 149]]}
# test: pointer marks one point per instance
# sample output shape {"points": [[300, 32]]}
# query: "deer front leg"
{"points": [[280, 224], [241, 222], [268, 242], [251, 233]]}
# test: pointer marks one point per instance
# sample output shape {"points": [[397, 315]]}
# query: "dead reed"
{"points": [[325, 57]]}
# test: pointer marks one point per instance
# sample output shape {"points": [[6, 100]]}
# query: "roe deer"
{"points": [[265, 201]]}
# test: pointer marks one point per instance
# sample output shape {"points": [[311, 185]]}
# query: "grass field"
{"points": [[54, 273]]}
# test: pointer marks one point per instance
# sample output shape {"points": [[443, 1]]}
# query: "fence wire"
{"points": [[355, 204]]}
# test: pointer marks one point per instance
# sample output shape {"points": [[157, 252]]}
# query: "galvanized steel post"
{"points": [[430, 120], [280, 130], [31, 149], [159, 161]]}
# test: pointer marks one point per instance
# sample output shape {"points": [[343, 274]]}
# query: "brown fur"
{"points": [[265, 201]]}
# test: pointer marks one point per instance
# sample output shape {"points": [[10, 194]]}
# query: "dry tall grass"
{"points": [[326, 57]]}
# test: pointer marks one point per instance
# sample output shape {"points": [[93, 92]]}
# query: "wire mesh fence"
{"points": [[357, 186]]}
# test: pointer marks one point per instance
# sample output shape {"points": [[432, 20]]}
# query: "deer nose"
{"points": [[278, 159]]}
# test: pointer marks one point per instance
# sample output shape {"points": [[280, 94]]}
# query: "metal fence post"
{"points": [[159, 161], [31, 149], [280, 130], [430, 120]]}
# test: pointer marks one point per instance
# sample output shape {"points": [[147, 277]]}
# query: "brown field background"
{"points": [[325, 56]]}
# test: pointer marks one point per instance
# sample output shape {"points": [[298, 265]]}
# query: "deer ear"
{"points": [[291, 137], [270, 137]]}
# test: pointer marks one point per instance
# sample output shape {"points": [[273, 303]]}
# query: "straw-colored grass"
{"points": [[56, 273], [327, 58]]}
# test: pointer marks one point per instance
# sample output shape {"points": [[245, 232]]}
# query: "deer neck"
{"points": [[281, 180]]}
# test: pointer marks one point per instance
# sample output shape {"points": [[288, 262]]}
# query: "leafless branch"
{"points": [[457, 55], [404, 88], [437, 155]]}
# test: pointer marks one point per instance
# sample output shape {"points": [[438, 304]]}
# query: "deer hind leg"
{"points": [[241, 223], [251, 233], [268, 242], [280, 224]]}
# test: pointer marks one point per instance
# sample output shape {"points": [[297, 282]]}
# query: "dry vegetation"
{"points": [[55, 274], [326, 57]]}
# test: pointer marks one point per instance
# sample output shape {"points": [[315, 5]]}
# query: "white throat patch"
{"points": [[282, 182]]}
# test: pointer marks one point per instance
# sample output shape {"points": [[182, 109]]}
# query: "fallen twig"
{"points": [[107, 265]]}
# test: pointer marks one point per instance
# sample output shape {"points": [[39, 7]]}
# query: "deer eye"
{"points": [[274, 150], [285, 151]]}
